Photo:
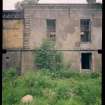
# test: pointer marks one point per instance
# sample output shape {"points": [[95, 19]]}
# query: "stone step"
{"points": [[26, 46], [28, 24], [26, 39], [25, 43], [26, 33]]}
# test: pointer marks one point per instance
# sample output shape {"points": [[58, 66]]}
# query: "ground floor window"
{"points": [[86, 60]]}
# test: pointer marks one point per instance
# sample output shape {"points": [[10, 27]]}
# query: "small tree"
{"points": [[47, 57]]}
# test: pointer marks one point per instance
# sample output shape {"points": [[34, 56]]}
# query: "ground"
{"points": [[63, 87]]}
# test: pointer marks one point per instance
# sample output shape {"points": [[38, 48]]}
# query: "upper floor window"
{"points": [[51, 29], [85, 28]]}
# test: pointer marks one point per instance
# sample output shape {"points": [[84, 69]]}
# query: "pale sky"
{"points": [[9, 4]]}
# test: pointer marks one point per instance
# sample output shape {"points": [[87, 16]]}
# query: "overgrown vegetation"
{"points": [[52, 88], [47, 57], [52, 84]]}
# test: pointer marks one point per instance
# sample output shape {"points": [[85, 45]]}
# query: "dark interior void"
{"points": [[86, 60]]}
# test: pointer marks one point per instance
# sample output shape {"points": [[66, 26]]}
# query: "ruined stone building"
{"points": [[73, 27]]}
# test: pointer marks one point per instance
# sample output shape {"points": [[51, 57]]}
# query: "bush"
{"points": [[64, 73], [46, 57], [77, 90], [89, 92], [95, 75], [63, 92], [10, 73]]}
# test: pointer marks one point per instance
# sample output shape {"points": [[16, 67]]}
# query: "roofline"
{"points": [[55, 4], [44, 5], [64, 4], [6, 14], [11, 10]]}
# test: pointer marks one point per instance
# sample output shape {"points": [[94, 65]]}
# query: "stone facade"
{"points": [[68, 32], [12, 30], [12, 59], [12, 39], [13, 34]]}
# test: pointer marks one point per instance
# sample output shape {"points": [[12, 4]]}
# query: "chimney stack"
{"points": [[91, 1]]}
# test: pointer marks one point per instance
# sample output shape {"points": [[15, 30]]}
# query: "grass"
{"points": [[63, 87]]}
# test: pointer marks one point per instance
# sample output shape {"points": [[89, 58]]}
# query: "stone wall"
{"points": [[27, 61], [12, 42], [67, 29], [12, 59], [28, 34], [12, 33]]}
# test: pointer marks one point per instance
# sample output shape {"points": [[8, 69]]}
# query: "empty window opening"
{"points": [[51, 29], [86, 60], [85, 27]]}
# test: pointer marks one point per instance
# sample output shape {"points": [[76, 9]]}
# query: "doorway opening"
{"points": [[86, 61]]}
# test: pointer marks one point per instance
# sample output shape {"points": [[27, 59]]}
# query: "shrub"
{"points": [[9, 74], [63, 92], [88, 92], [64, 73], [95, 75], [46, 57]]}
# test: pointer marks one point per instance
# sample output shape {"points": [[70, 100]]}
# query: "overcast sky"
{"points": [[9, 4]]}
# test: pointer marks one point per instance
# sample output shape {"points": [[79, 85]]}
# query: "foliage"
{"points": [[76, 89], [46, 57], [10, 73]]}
